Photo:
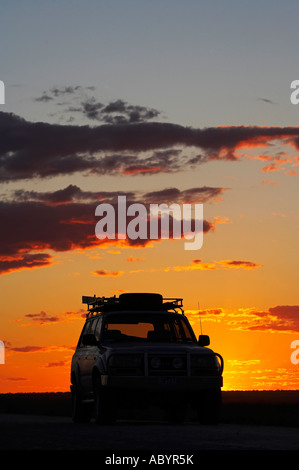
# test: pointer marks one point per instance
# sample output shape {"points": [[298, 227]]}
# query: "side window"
{"points": [[93, 326], [85, 331], [98, 328]]}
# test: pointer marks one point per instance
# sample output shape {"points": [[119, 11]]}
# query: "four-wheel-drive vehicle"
{"points": [[140, 350]]}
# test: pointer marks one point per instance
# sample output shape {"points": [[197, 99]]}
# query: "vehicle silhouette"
{"points": [[139, 350]]}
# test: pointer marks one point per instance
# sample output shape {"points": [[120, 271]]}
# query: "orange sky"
{"points": [[43, 320]]}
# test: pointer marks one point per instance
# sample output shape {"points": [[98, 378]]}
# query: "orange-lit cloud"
{"points": [[282, 318], [38, 349], [44, 318], [273, 183], [239, 264], [65, 220], [197, 264], [104, 272], [24, 261], [131, 259]]}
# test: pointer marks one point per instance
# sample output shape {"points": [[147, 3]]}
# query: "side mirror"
{"points": [[89, 340], [203, 340]]}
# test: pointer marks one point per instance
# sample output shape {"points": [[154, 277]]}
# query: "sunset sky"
{"points": [[163, 101]]}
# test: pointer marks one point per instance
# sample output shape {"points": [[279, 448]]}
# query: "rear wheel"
{"points": [[209, 408], [80, 411]]}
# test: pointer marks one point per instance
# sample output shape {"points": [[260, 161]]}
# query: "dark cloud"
{"points": [[42, 317], [28, 260], [29, 349], [240, 264], [57, 364], [104, 272], [34, 223], [117, 112], [282, 318], [33, 349], [266, 100], [36, 149], [71, 193], [91, 108], [44, 98], [70, 89], [187, 196], [55, 92]]}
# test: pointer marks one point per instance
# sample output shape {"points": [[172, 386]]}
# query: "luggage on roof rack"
{"points": [[132, 301]]}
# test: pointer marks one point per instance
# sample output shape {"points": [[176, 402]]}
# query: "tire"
{"points": [[80, 411], [175, 413], [209, 408], [103, 412]]}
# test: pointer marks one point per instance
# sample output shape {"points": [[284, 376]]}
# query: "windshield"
{"points": [[147, 327]]}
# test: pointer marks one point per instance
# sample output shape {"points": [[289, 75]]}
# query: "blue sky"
{"points": [[200, 62]]}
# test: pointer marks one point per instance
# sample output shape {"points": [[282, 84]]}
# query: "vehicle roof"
{"points": [[133, 302]]}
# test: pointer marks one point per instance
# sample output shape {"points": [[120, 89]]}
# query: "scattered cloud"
{"points": [[38, 349], [272, 183], [133, 146], [239, 264], [197, 264], [57, 364], [283, 318], [131, 259], [104, 272], [44, 318], [280, 319], [18, 261], [267, 100]]}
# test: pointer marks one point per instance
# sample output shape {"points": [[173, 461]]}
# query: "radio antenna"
{"points": [[199, 318]]}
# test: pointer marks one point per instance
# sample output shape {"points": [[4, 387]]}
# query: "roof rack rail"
{"points": [[128, 301]]}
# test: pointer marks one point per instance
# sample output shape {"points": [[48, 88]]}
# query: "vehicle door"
{"points": [[92, 345], [83, 355]]}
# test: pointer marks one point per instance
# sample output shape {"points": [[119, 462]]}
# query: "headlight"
{"points": [[156, 362], [177, 363], [167, 363], [205, 364], [204, 361]]}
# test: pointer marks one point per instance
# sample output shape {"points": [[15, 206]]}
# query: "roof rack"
{"points": [[131, 301]]}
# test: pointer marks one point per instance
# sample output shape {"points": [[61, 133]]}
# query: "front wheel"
{"points": [[103, 411], [80, 411], [209, 407], [175, 413]]}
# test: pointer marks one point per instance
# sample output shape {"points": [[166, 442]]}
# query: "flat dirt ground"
{"points": [[26, 432], [250, 421]]}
